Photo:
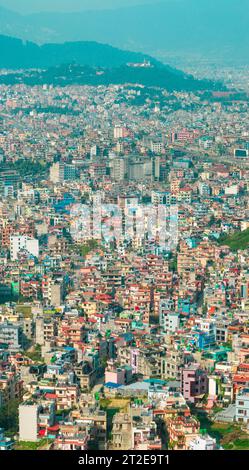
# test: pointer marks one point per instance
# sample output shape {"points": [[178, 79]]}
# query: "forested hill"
{"points": [[89, 63]]}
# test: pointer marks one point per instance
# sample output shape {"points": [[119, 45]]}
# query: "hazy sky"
{"points": [[28, 6]]}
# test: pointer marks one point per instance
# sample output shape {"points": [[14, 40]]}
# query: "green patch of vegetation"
{"points": [[35, 355], [217, 409], [241, 444], [24, 309], [173, 264], [63, 413], [7, 298], [9, 417], [229, 435], [86, 248], [236, 241], [27, 445], [104, 403], [26, 167]]}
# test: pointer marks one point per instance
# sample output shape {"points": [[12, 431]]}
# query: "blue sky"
{"points": [[28, 6]]}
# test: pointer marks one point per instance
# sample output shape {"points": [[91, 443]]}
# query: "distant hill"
{"points": [[16, 53], [90, 63], [215, 30], [72, 74]]}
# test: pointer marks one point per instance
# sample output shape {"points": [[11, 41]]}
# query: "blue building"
{"points": [[5, 442]]}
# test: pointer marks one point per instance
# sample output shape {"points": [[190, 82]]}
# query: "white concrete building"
{"points": [[203, 443], [23, 242], [28, 422], [169, 321]]}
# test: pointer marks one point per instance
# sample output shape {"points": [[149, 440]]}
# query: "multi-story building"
{"points": [[122, 431], [242, 406], [28, 422], [172, 364], [194, 382], [182, 430], [20, 243], [60, 172], [11, 387], [203, 442], [12, 335]]}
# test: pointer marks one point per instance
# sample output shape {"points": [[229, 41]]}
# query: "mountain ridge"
{"points": [[212, 30], [91, 63], [17, 53]]}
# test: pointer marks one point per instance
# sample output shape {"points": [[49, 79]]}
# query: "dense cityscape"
{"points": [[124, 249]]}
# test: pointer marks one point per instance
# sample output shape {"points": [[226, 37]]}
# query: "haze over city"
{"points": [[177, 31]]}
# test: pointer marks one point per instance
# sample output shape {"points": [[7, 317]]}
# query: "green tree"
{"points": [[9, 417]]}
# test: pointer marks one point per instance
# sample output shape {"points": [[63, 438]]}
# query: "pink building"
{"points": [[194, 383], [117, 375]]}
